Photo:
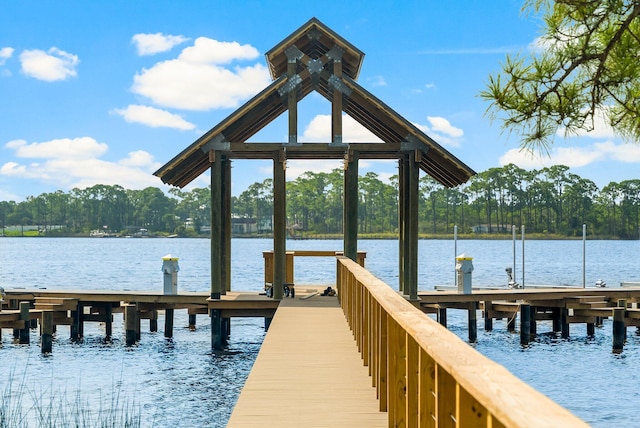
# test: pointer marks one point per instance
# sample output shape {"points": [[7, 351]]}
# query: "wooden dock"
{"points": [[308, 372]]}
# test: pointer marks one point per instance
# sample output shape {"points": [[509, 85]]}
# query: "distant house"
{"points": [[485, 228], [243, 226]]}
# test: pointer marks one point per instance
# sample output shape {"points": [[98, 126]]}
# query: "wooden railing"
{"points": [[268, 261], [425, 375]]}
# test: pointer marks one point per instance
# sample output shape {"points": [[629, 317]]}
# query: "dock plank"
{"points": [[308, 372]]}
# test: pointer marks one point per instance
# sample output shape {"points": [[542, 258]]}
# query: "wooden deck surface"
{"points": [[308, 372]]}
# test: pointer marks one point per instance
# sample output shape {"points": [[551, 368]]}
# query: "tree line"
{"points": [[547, 201]]}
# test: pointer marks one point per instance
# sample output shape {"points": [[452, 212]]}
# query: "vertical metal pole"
{"points": [[584, 254], [455, 254], [522, 256], [513, 247]]}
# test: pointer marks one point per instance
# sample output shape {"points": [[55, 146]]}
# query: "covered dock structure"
{"points": [[313, 58]]}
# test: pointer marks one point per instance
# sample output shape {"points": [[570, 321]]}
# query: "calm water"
{"points": [[181, 379]]}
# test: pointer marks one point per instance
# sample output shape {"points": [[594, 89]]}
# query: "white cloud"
{"points": [[55, 64], [430, 85], [210, 51], [574, 157], [196, 80], [150, 44], [442, 125], [5, 54], [377, 81], [69, 163], [153, 117], [319, 130], [441, 130], [73, 148]]}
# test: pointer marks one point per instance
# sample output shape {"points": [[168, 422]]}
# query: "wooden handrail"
{"points": [[425, 375], [268, 261]]}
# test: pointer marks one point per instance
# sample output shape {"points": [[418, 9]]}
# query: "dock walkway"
{"points": [[308, 372]]}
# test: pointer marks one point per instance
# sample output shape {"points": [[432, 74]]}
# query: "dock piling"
{"points": [[619, 330], [168, 323], [564, 323], [488, 319], [23, 334], [153, 321], [130, 323], [525, 324], [46, 338], [473, 323], [442, 316]]}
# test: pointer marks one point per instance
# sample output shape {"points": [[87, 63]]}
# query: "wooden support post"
{"points": [[292, 99], [279, 223], [267, 323], [226, 226], [599, 321], [76, 323], [533, 328], [622, 303], [619, 330], [564, 323], [215, 157], [488, 319], [192, 322], [46, 338], [350, 211], [401, 223], [337, 102], [591, 329], [130, 323], [108, 320], [525, 324], [216, 329], [556, 320], [473, 323], [153, 322], [24, 316], [411, 231], [442, 316], [226, 330], [511, 323], [168, 323]]}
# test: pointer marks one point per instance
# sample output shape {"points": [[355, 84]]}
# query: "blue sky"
{"points": [[108, 91]]}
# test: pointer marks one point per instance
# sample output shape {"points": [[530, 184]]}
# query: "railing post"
{"points": [[383, 362]]}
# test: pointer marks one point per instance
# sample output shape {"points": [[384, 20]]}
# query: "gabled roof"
{"points": [[314, 39], [315, 47]]}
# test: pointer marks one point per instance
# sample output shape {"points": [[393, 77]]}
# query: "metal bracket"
{"points": [[315, 66], [339, 85], [411, 143], [219, 142], [313, 34], [293, 53], [335, 53], [292, 83]]}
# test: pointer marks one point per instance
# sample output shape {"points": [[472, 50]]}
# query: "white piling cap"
{"points": [[464, 256], [169, 257]]}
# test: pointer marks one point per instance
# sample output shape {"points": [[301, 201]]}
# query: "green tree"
{"points": [[587, 65]]}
